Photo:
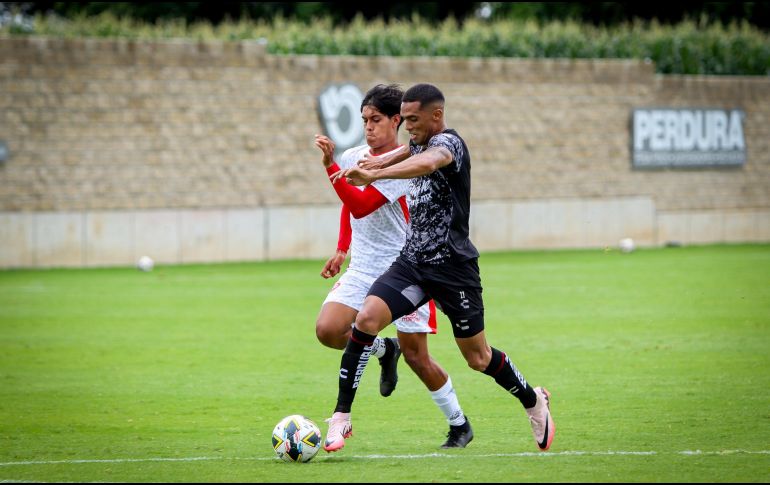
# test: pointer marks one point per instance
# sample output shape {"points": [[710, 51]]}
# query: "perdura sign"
{"points": [[687, 138], [339, 107]]}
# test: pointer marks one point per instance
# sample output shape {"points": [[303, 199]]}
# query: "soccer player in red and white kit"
{"points": [[376, 233], [438, 261]]}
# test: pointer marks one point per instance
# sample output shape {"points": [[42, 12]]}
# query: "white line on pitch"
{"points": [[385, 457]]}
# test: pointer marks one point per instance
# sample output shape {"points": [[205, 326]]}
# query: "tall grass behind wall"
{"points": [[689, 47]]}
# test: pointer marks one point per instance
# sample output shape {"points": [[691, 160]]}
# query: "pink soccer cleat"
{"points": [[540, 418], [339, 429]]}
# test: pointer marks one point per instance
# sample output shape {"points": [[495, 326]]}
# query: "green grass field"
{"points": [[658, 362]]}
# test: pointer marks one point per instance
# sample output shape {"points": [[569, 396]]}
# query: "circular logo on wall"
{"points": [[339, 108]]}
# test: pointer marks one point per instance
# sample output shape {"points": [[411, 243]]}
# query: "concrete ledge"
{"points": [[108, 237], [704, 227], [119, 238], [156, 234], [561, 223], [17, 240], [59, 239], [245, 231], [302, 232]]}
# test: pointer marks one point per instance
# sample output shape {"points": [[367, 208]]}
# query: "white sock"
{"points": [[446, 399], [378, 347]]}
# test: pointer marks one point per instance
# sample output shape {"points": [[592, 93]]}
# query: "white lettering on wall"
{"points": [[688, 137]]}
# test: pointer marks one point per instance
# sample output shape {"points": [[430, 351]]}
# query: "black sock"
{"points": [[354, 360], [509, 378]]}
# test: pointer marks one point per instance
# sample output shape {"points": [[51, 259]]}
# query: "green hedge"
{"points": [[686, 48]]}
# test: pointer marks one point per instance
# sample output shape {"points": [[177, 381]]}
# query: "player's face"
{"points": [[380, 131], [418, 121]]}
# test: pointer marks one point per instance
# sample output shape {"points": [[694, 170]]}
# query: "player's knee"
{"points": [[331, 335], [323, 334], [369, 321], [477, 361]]}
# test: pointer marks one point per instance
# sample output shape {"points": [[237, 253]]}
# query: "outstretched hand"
{"points": [[326, 145], [353, 176], [371, 162]]}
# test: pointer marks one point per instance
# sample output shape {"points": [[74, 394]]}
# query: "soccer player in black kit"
{"points": [[438, 261]]}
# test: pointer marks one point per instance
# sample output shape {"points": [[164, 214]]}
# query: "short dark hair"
{"points": [[386, 99], [424, 93]]}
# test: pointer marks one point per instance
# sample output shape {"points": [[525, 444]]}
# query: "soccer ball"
{"points": [[145, 263], [296, 439], [626, 245]]}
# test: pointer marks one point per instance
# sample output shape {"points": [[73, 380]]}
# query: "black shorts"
{"points": [[454, 286]]}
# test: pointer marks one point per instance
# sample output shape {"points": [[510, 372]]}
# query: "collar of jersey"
{"points": [[381, 154]]}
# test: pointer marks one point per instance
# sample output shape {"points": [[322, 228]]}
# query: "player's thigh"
{"points": [[399, 287], [374, 316], [463, 305], [340, 308], [399, 307], [336, 317]]}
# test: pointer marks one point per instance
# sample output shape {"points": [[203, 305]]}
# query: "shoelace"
{"points": [[534, 418], [334, 425], [454, 433]]}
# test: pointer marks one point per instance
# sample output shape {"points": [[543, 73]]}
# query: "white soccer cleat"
{"points": [[339, 429], [540, 418]]}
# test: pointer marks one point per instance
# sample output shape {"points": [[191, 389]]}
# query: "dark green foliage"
{"points": [[688, 47]]}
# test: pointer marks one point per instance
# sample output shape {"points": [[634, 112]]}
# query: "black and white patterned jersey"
{"points": [[439, 206]]}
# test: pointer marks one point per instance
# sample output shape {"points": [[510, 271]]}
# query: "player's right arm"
{"points": [[371, 162], [417, 165]]}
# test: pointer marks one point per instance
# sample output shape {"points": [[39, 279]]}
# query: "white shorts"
{"points": [[351, 290]]}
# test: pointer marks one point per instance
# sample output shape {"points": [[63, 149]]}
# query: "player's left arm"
{"points": [[418, 165], [333, 264]]}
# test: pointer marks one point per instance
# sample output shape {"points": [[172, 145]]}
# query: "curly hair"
{"points": [[385, 98]]}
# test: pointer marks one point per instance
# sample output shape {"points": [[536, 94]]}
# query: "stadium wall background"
{"points": [[203, 152]]}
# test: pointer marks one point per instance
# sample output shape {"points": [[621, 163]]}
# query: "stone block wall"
{"points": [[114, 132]]}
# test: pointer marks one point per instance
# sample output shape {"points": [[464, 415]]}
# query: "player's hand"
{"points": [[353, 176], [370, 162], [326, 146], [332, 266]]}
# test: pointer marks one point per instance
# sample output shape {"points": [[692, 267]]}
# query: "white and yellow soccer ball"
{"points": [[296, 439]]}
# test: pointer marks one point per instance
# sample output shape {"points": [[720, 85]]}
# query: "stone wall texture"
{"points": [[120, 125]]}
